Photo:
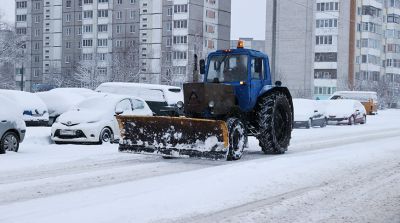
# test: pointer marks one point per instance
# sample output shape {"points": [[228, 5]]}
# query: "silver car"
{"points": [[12, 126]]}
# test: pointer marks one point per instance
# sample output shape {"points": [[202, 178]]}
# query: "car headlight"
{"points": [[211, 104], [179, 104]]}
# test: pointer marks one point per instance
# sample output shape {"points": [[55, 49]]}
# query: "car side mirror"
{"points": [[357, 110], [118, 112], [315, 111], [202, 66]]}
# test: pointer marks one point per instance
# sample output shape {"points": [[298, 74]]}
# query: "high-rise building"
{"points": [[337, 45], [87, 42]]}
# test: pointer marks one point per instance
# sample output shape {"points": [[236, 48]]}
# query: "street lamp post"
{"points": [[22, 77]]}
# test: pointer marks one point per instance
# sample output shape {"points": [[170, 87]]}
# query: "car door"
{"points": [[140, 108]]}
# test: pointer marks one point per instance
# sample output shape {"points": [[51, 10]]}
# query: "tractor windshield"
{"points": [[227, 68]]}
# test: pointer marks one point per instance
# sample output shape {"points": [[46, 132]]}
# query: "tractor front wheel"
{"points": [[274, 117], [237, 138]]}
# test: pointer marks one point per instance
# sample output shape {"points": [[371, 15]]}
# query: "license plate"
{"points": [[67, 132]]}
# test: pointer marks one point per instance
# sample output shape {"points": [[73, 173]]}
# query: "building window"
{"points": [[86, 2], [102, 42], [88, 14], [325, 74], [88, 28], [101, 56], [118, 29], [68, 4], [22, 5], [327, 23], [328, 6], [87, 56], [180, 39], [102, 28], [87, 42], [181, 8], [180, 24], [103, 1], [119, 15], [169, 11], [21, 18], [102, 13], [132, 28], [323, 40], [210, 14], [179, 55], [118, 43], [325, 57], [102, 71]]}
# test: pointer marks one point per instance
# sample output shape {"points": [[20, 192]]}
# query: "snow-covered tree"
{"points": [[125, 66], [11, 52], [88, 74]]}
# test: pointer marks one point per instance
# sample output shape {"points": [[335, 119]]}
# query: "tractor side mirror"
{"points": [[202, 66]]}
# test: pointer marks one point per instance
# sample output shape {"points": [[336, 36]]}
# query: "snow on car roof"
{"points": [[9, 109], [28, 101], [140, 85]]}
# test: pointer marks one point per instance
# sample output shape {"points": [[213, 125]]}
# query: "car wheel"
{"points": [[9, 142], [351, 120], [106, 136]]}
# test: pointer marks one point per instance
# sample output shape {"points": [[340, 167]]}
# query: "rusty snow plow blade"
{"points": [[174, 137]]}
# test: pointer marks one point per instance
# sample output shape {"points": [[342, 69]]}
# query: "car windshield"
{"points": [[227, 68]]}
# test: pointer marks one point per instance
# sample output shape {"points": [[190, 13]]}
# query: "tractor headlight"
{"points": [[211, 104], [179, 104]]}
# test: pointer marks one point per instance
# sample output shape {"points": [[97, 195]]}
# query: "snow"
{"points": [[303, 109], [149, 92], [60, 100], [362, 96], [343, 107], [328, 175], [28, 102], [11, 112]]}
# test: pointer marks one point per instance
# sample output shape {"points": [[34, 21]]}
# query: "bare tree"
{"points": [[11, 52], [125, 66], [88, 74]]}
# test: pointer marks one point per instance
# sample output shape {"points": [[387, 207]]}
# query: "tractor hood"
{"points": [[199, 96]]}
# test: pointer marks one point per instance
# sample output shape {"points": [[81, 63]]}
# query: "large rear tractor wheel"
{"points": [[274, 117], [237, 138]]}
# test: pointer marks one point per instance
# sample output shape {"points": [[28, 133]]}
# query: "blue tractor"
{"points": [[236, 99]]}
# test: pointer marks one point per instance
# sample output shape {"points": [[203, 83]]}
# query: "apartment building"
{"points": [[86, 42], [293, 62], [354, 45]]}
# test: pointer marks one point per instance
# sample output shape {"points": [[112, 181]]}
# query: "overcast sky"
{"points": [[248, 17]]}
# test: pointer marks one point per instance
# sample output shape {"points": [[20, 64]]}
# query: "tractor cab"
{"points": [[246, 70]]}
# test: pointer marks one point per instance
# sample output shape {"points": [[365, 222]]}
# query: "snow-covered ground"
{"points": [[334, 174]]}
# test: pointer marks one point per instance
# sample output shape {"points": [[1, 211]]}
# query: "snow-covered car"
{"points": [[12, 126], [306, 114], [162, 99], [93, 120], [34, 110], [60, 100], [346, 111]]}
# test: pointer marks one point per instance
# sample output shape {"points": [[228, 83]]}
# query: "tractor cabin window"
{"points": [[227, 68], [257, 68]]}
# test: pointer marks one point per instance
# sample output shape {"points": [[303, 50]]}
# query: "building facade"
{"points": [[353, 45], [86, 42]]}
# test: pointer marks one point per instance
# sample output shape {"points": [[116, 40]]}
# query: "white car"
{"points": [[60, 100], [162, 99], [34, 110], [346, 111], [93, 120], [307, 114]]}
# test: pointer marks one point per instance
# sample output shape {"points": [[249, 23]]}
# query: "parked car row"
{"points": [[312, 113], [79, 115]]}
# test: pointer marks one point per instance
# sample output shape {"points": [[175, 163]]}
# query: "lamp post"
{"points": [[22, 77]]}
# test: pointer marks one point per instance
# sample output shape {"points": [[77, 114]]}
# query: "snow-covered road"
{"points": [[335, 174]]}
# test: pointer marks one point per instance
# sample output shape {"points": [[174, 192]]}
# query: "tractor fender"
{"points": [[270, 89]]}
